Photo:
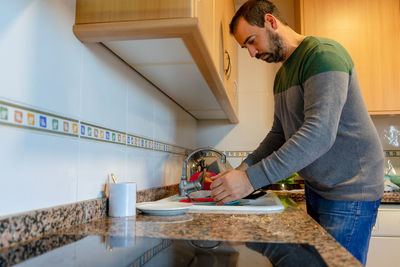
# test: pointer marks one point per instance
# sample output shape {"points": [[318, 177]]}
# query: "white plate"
{"points": [[163, 208]]}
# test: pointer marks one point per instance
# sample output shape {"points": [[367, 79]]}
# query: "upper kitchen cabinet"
{"points": [[370, 31], [181, 46], [229, 48]]}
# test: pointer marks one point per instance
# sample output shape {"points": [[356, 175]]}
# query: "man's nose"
{"points": [[252, 51]]}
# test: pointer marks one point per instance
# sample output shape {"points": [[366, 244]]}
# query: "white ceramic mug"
{"points": [[122, 201]]}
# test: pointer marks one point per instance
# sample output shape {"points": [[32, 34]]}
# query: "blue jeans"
{"points": [[349, 222]]}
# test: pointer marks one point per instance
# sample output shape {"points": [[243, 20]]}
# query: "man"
{"points": [[321, 129]]}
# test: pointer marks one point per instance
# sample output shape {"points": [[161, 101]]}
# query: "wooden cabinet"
{"points": [[182, 46], [370, 31], [223, 46], [230, 52]]}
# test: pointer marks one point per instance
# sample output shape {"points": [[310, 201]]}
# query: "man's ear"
{"points": [[270, 20]]}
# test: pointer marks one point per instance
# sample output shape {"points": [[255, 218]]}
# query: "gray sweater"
{"points": [[321, 128]]}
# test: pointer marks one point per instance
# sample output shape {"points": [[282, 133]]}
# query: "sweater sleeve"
{"points": [[272, 142], [326, 79]]}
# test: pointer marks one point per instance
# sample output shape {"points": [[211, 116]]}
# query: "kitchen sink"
{"points": [[266, 203]]}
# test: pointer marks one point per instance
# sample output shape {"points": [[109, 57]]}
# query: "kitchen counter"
{"points": [[298, 196], [292, 226]]}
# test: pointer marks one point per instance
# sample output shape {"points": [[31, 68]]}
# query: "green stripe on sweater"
{"points": [[313, 56]]}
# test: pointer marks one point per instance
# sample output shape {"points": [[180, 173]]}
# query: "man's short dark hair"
{"points": [[253, 12]]}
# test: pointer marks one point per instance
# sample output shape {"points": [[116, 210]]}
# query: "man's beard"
{"points": [[277, 55]]}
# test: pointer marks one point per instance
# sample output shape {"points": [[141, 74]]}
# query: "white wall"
{"points": [[44, 67]]}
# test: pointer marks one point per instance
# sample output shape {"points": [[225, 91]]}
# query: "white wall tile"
{"points": [[151, 114], [168, 167], [150, 168], [212, 133], [235, 161], [96, 161], [40, 56], [256, 117], [38, 169], [46, 67], [140, 106], [165, 119], [140, 167], [186, 127], [104, 88], [172, 124]]}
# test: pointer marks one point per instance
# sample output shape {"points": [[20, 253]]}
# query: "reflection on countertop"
{"points": [[292, 226], [94, 251]]}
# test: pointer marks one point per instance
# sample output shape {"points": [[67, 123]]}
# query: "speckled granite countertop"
{"points": [[292, 225], [298, 196]]}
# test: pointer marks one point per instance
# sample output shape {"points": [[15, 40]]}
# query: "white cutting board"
{"points": [[269, 203]]}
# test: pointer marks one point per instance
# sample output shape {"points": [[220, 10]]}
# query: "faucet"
{"points": [[186, 187]]}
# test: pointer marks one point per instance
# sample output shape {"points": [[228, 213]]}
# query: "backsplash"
{"points": [[19, 116], [33, 224], [24, 226], [72, 113]]}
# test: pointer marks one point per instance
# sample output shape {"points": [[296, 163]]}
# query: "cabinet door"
{"points": [[383, 251], [206, 17], [213, 26], [370, 31], [385, 240], [230, 53]]}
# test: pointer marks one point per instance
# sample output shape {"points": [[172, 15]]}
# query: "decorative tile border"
{"points": [[244, 154], [33, 119], [232, 154], [19, 116], [149, 254], [237, 154], [392, 153]]}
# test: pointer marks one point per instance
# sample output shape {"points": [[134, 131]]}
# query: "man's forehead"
{"points": [[244, 31]]}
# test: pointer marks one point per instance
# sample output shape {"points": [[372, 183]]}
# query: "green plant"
{"points": [[288, 180]]}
